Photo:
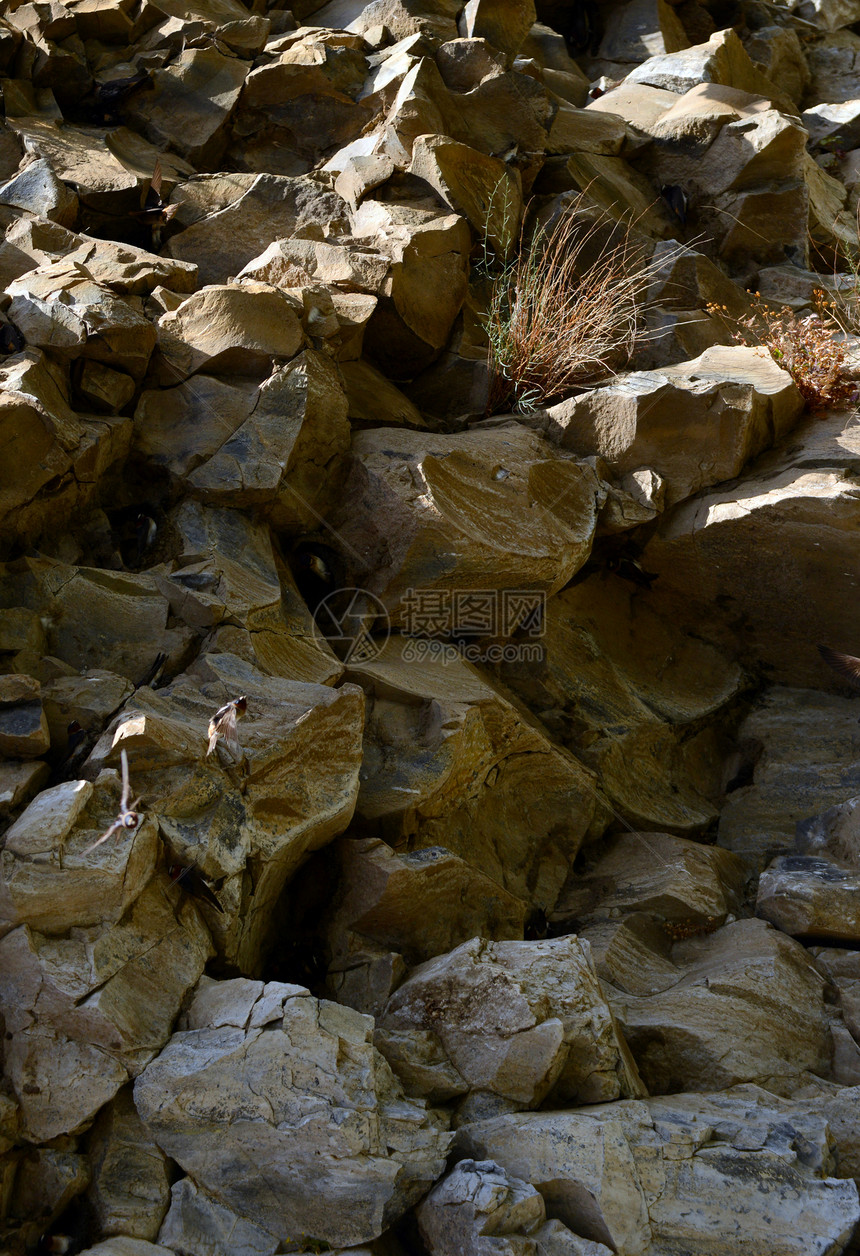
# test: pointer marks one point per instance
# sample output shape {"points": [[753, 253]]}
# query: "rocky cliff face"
{"points": [[424, 829]]}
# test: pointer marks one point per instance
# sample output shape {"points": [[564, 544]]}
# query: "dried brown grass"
{"points": [[566, 312]]}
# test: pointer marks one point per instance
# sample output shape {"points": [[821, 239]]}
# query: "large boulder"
{"points": [[270, 1076], [491, 509], [695, 423], [450, 761], [787, 539], [246, 827], [524, 1022]]}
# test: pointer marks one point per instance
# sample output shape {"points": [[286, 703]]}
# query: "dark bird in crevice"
{"points": [[675, 199], [318, 571], [11, 340], [582, 28], [846, 665], [189, 878], [156, 212], [107, 99]]}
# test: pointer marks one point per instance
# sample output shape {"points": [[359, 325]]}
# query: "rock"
{"points": [[465, 63], [578, 131], [128, 271], [109, 170], [478, 1199], [796, 755], [252, 827], [48, 879], [198, 1225], [301, 102], [230, 219], [486, 191], [834, 68], [229, 329], [373, 399], [842, 969], [85, 1013], [640, 705], [37, 190], [60, 307], [683, 884], [58, 456], [226, 574], [474, 775], [641, 29], [19, 782], [830, 15], [797, 500], [521, 1020], [742, 1005], [833, 835], [46, 1181], [130, 1185], [104, 388], [425, 287], [643, 1176], [735, 404], [23, 726], [810, 897], [191, 103], [504, 26], [332, 1107], [502, 509], [378, 890], [131, 614], [721, 60], [122, 1245]]}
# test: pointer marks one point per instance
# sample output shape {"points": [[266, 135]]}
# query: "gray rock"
{"points": [[290, 1092], [646, 1176]]}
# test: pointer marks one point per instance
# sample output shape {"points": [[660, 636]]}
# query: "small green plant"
{"points": [[805, 346], [566, 309]]}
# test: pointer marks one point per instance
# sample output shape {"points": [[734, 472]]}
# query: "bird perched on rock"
{"points": [[222, 728], [318, 571], [845, 664]]}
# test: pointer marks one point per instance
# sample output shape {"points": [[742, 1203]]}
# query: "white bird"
{"points": [[128, 817]]}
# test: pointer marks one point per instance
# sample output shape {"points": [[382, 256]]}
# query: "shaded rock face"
{"points": [[374, 765]]}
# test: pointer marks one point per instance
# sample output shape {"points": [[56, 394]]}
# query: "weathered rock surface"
{"points": [[221, 1095], [796, 756], [731, 404], [741, 1004], [646, 1176], [248, 827], [788, 541], [490, 509], [451, 762], [520, 1020], [130, 1183]]}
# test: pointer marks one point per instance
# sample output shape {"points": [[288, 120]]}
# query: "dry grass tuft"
{"points": [[567, 310], [805, 347]]}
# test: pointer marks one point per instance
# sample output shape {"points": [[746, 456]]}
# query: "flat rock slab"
{"points": [[649, 1177]]}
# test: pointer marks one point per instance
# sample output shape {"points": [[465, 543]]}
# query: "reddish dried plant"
{"points": [[805, 346]]}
